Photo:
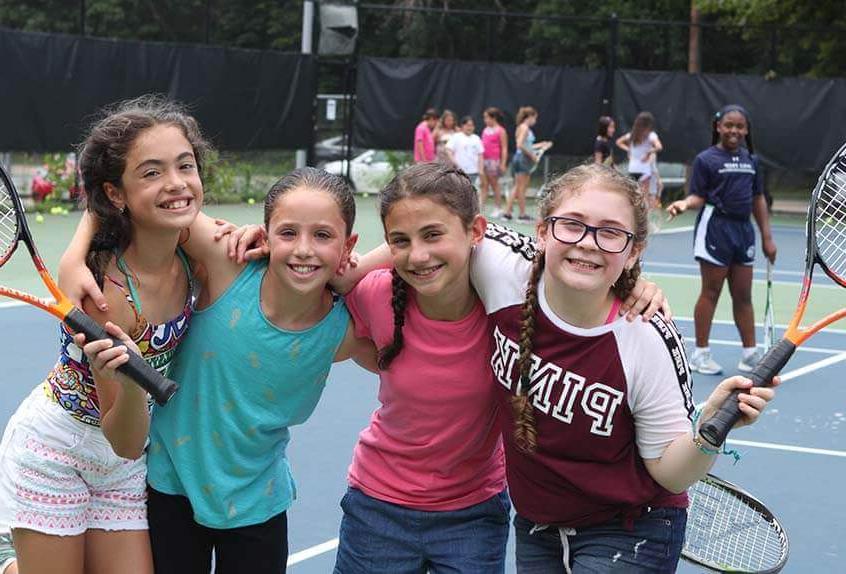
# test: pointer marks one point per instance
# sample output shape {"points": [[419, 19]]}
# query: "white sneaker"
{"points": [[703, 363], [496, 214], [748, 365]]}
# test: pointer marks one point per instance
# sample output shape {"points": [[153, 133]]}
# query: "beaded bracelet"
{"points": [[700, 444]]}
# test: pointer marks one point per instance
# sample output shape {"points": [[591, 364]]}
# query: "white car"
{"points": [[369, 172]]}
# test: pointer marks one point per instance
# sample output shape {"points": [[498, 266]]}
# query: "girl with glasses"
{"points": [[597, 413]]}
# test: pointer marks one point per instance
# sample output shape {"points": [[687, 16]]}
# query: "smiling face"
{"points": [[431, 246], [160, 185], [468, 127], [582, 266], [732, 129], [307, 238]]}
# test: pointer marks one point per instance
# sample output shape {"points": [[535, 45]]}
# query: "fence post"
{"points": [[611, 66]]}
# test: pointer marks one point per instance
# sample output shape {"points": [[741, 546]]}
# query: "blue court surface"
{"points": [[793, 459]]}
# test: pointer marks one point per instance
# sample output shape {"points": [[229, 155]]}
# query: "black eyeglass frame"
{"points": [[589, 229]]}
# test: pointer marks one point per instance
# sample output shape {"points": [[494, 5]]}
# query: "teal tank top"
{"points": [[221, 439]]}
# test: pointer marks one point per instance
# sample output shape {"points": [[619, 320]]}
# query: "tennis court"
{"points": [[792, 459]]}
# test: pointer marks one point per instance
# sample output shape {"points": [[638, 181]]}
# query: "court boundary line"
{"points": [[831, 330], [688, 276], [730, 343]]}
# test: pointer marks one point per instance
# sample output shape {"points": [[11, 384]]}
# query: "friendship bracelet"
{"points": [[707, 449]]}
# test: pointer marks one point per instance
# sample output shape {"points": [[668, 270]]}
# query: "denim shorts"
{"points": [[378, 537], [653, 545], [521, 164]]}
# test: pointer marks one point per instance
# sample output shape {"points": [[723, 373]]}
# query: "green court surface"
{"points": [[55, 232]]}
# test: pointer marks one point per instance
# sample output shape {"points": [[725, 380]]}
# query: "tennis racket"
{"points": [[769, 319], [13, 230], [538, 155], [729, 530], [826, 247]]}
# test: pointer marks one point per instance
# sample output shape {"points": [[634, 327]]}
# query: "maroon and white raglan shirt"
{"points": [[604, 398]]}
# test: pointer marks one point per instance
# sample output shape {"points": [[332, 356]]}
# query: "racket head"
{"points": [[729, 530], [827, 220], [11, 214]]}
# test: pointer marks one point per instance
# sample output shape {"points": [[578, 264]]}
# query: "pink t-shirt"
{"points": [[422, 133], [492, 143], [434, 443]]}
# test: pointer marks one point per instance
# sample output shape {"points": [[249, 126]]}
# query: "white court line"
{"points": [[647, 263], [7, 304], [787, 447], [775, 282], [730, 343], [830, 330], [308, 553], [813, 367], [674, 230]]}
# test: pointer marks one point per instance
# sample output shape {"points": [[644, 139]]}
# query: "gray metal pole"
{"points": [[307, 39]]}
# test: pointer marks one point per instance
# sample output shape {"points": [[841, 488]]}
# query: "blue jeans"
{"points": [[382, 538], [654, 545]]}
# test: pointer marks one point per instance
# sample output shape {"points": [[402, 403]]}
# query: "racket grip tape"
{"points": [[716, 429], [148, 378]]}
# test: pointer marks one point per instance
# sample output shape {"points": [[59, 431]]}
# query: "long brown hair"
{"points": [[102, 160], [443, 184], [525, 112], [525, 433], [643, 124]]}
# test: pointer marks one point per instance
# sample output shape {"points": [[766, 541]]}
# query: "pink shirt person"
{"points": [[423, 135], [434, 443], [491, 141]]}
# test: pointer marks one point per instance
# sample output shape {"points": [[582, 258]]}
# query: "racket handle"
{"points": [[716, 429], [148, 378]]}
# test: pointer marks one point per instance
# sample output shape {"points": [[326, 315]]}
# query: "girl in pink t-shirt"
{"points": [[427, 480], [495, 157]]}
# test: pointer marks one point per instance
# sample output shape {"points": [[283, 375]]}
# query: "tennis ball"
{"points": [[365, 194], [39, 218], [55, 210], [251, 201], [65, 211]]}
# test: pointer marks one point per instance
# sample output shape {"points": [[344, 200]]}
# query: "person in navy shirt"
{"points": [[726, 184]]}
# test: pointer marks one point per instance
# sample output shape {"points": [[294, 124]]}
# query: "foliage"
{"points": [[237, 178], [266, 24], [57, 178], [816, 45], [398, 160]]}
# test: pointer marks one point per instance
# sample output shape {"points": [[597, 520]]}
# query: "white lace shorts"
{"points": [[60, 476]]}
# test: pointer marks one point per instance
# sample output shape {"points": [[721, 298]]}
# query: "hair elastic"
{"points": [[732, 108]]}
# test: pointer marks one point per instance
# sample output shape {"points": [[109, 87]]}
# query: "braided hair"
{"points": [[444, 184], [525, 432]]}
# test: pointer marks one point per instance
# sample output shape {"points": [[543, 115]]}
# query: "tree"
{"points": [[817, 45]]}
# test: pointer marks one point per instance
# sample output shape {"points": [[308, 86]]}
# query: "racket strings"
{"points": [[830, 219], [725, 531], [8, 223]]}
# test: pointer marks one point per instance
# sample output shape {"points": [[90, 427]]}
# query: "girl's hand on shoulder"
{"points": [[77, 282], [769, 248], [247, 243], [751, 400], [645, 299], [104, 356], [347, 277]]}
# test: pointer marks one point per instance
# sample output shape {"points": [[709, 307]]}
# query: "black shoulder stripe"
{"points": [[519, 243], [675, 347]]}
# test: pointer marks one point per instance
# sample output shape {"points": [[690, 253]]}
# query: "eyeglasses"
{"points": [[608, 239]]}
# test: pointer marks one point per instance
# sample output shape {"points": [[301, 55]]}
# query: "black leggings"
{"points": [[181, 546]]}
